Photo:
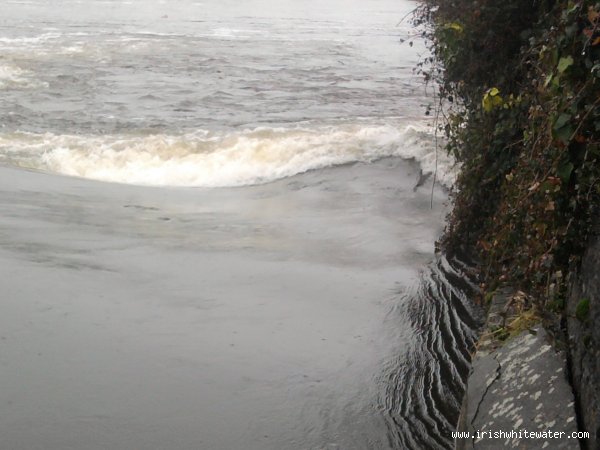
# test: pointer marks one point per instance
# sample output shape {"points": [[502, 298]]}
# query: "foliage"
{"points": [[519, 89], [582, 311]]}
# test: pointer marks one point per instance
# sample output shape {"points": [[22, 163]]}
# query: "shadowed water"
{"points": [[299, 314]]}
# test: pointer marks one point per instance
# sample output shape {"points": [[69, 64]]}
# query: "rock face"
{"points": [[583, 326], [520, 387]]}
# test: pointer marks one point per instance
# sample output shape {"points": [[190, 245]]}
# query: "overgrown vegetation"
{"points": [[519, 90]]}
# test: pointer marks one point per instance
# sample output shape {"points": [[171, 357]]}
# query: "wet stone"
{"points": [[520, 387]]}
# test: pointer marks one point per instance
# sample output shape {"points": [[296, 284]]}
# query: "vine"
{"points": [[521, 81]]}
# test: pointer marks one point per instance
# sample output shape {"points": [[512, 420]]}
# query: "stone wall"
{"points": [[583, 328]]}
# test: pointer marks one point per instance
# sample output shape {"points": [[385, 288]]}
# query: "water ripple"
{"points": [[423, 385]]}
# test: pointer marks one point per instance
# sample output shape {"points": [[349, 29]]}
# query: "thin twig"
{"points": [[435, 137], [406, 15]]}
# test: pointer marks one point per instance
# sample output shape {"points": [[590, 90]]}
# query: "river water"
{"points": [[240, 255]]}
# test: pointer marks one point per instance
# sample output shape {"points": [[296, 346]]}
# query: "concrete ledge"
{"points": [[521, 386]]}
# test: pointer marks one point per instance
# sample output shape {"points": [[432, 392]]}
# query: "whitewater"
{"points": [[207, 95]]}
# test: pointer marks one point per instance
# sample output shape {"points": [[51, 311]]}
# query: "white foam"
{"points": [[10, 72], [234, 33], [220, 159], [12, 76], [31, 40]]}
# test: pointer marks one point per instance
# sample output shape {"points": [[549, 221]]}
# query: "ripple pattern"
{"points": [[423, 386]]}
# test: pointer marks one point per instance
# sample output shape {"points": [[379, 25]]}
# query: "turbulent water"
{"points": [[262, 276], [207, 93]]}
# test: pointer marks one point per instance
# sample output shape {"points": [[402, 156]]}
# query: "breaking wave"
{"points": [[212, 159]]}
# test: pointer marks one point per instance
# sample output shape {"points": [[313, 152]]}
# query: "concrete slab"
{"points": [[520, 390]]}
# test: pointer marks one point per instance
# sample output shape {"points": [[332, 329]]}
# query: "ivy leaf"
{"points": [[564, 171], [562, 129], [564, 63], [564, 134], [491, 99], [561, 121]]}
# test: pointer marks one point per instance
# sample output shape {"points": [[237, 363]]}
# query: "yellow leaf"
{"points": [[491, 99], [454, 26]]}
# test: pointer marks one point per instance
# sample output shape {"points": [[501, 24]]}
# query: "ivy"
{"points": [[523, 121]]}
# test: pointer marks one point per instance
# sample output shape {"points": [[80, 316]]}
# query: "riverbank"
{"points": [[519, 90]]}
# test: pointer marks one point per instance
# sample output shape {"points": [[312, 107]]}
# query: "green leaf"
{"points": [[582, 311], [564, 63], [564, 171], [561, 121], [564, 134], [562, 128], [572, 8]]}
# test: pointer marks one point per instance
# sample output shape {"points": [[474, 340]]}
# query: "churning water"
{"points": [[215, 93], [260, 272]]}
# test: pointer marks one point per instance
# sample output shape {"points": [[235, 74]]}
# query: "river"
{"points": [[217, 227]]}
